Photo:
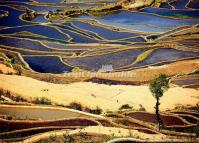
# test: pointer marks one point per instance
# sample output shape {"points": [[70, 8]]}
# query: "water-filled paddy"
{"points": [[46, 8], [135, 39], [39, 38], [66, 47], [137, 20], [193, 4], [95, 63], [150, 20], [2, 12], [180, 4], [47, 64], [48, 1], [182, 82], [44, 113], [190, 43], [165, 55], [22, 43], [40, 19], [37, 29], [72, 28], [103, 32], [17, 0], [177, 13], [165, 5], [12, 19], [35, 7], [78, 38]]}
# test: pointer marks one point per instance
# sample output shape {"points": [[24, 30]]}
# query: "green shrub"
{"points": [[141, 108], [18, 98], [125, 106], [97, 111], [8, 94], [196, 71], [76, 106], [1, 99], [42, 100]]}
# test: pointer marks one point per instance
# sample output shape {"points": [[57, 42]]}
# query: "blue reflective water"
{"points": [[16, 0], [47, 64], [165, 55], [169, 12], [37, 29], [12, 19], [94, 63], [105, 33], [40, 38], [23, 44], [149, 20], [165, 5], [40, 19], [79, 38], [180, 4], [44, 8], [141, 21], [69, 26], [193, 4], [49, 1]]}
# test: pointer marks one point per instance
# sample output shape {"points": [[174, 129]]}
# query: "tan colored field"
{"points": [[6, 69], [148, 73], [118, 132], [92, 94]]}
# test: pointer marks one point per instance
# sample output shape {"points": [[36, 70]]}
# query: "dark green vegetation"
{"points": [[157, 87]]}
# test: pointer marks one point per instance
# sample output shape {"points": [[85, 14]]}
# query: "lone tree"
{"points": [[157, 87]]}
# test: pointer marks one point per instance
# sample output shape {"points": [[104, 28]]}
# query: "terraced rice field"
{"points": [[55, 65], [45, 46], [95, 63], [53, 36], [135, 122]]}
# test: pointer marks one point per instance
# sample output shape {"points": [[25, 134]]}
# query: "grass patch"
{"points": [[182, 16], [143, 56], [27, 33]]}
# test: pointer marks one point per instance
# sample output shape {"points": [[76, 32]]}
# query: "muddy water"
{"points": [[40, 113]]}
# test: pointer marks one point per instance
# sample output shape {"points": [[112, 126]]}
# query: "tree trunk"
{"points": [[158, 119]]}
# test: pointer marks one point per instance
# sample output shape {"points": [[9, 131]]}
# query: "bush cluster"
{"points": [[42, 100], [125, 106], [78, 106], [94, 111]]}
